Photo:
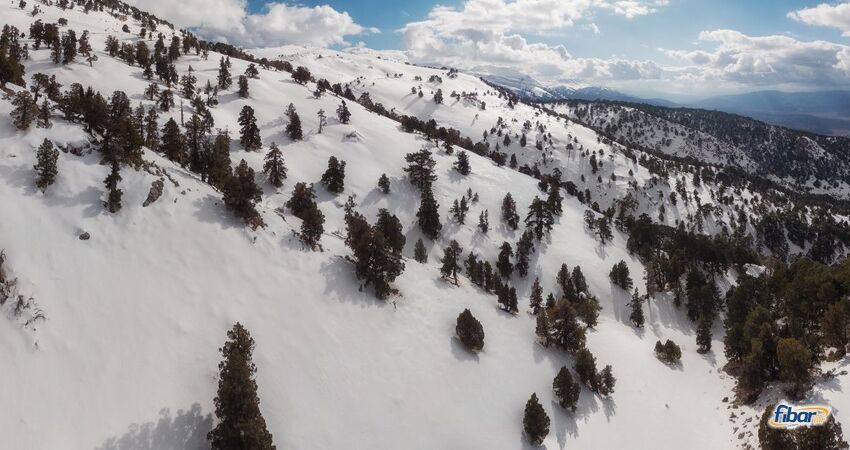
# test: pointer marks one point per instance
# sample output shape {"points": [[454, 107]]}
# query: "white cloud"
{"points": [[279, 24], [825, 15], [769, 60], [491, 33]]}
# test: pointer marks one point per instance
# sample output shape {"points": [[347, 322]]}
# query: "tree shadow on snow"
{"points": [[185, 431]]}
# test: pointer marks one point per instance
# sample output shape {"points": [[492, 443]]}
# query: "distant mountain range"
{"points": [[822, 112]]}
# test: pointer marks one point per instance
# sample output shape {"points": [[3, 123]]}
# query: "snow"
{"points": [[127, 357]]}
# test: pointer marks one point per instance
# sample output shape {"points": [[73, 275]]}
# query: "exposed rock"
{"points": [[155, 192]]}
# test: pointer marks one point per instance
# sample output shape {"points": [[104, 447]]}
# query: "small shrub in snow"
{"points": [[469, 331]]}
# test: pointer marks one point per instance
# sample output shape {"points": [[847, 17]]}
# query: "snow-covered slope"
{"points": [[127, 355]]}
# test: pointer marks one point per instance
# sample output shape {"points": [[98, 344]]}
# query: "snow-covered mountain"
{"points": [[113, 326]]}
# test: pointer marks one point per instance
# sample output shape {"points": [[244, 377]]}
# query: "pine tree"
{"points": [[384, 183], [342, 113], [620, 276], [301, 75], [566, 390], [187, 85], [535, 421], [703, 334], [566, 331], [795, 362], [165, 100], [565, 282], [46, 168], [224, 78], [240, 423], [334, 176], [438, 96], [459, 210], [218, 165], [484, 221], [293, 128], [524, 248], [462, 163], [469, 331], [25, 110], [636, 305], [539, 218], [420, 168], [504, 262], [555, 201], [303, 198], [312, 226], [321, 119], [420, 254], [43, 119], [113, 196], [249, 132], [172, 142], [606, 382], [428, 215], [536, 299], [579, 281], [243, 86], [241, 194], [836, 323], [509, 215], [451, 262], [543, 331], [390, 227], [251, 71], [274, 167], [586, 368]]}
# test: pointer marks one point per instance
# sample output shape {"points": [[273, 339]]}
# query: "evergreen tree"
{"points": [[342, 113], [165, 100], [438, 97], [312, 226], [390, 227], [218, 165], [566, 390], [539, 218], [303, 198], [536, 299], [384, 183], [172, 142], [274, 167], [524, 248], [579, 281], [462, 163], [113, 196], [301, 75], [566, 331], [241, 194], [43, 119], [703, 334], [565, 282], [636, 316], [542, 329], [469, 331], [240, 423], [420, 254], [484, 221], [251, 71], [428, 215], [293, 128], [795, 362], [620, 276], [187, 85], [504, 263], [535, 421], [151, 126], [321, 119], [606, 382], [249, 132], [334, 176], [555, 201], [25, 110], [509, 215], [586, 368], [603, 229], [224, 78], [46, 168], [451, 262], [243, 86], [668, 352], [459, 210], [420, 168], [836, 323]]}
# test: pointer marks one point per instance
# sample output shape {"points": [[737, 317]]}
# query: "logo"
{"points": [[787, 417]]}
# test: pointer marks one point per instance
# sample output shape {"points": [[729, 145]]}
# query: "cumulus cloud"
{"points": [[278, 24], [825, 15], [492, 33], [769, 60]]}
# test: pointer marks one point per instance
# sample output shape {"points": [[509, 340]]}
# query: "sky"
{"points": [[675, 49]]}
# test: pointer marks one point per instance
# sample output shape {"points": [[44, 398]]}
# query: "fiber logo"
{"points": [[787, 417]]}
